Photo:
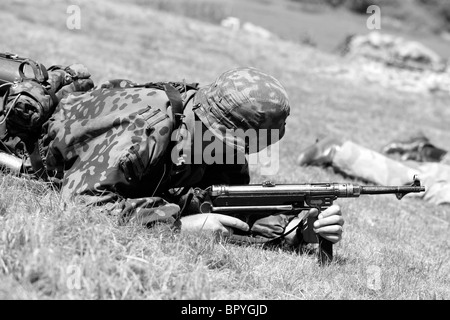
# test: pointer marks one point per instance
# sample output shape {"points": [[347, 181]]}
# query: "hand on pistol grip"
{"points": [[328, 224], [308, 233]]}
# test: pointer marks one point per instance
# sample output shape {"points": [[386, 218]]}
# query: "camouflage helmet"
{"points": [[243, 98]]}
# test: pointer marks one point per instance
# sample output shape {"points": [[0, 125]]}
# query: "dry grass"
{"points": [[55, 250]]}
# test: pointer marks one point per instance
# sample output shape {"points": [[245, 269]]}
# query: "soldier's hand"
{"points": [[329, 223], [217, 223]]}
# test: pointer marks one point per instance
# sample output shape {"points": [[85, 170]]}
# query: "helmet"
{"points": [[240, 100]]}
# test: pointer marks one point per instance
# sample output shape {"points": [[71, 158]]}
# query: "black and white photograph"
{"points": [[225, 158]]}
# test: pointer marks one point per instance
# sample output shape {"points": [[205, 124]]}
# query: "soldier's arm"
{"points": [[193, 220], [214, 174], [144, 211], [147, 211]]}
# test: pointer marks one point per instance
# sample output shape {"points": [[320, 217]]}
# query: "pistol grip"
{"points": [[325, 249]]}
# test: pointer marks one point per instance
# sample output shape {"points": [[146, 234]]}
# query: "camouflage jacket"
{"points": [[112, 146]]}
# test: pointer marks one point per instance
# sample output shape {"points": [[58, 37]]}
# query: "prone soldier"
{"points": [[114, 146]]}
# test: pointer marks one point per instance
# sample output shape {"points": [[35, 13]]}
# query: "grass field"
{"points": [[55, 250]]}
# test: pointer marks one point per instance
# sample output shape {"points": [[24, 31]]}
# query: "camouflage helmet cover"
{"points": [[242, 98]]}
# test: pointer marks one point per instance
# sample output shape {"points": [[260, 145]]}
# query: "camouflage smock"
{"points": [[112, 146]]}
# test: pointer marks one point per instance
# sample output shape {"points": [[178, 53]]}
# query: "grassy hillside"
{"points": [[55, 250]]}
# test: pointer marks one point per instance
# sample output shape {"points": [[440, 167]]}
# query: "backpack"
{"points": [[103, 139], [9, 70], [12, 70], [29, 95]]}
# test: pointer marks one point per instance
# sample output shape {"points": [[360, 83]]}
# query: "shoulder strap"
{"points": [[176, 101], [173, 91]]}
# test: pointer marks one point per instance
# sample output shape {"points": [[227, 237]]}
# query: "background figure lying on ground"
{"points": [[396, 165]]}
